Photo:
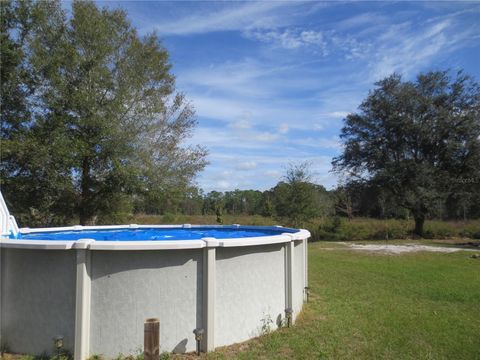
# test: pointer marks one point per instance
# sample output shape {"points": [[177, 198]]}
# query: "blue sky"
{"points": [[272, 81]]}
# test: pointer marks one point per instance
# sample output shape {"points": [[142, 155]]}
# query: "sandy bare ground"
{"points": [[399, 249]]}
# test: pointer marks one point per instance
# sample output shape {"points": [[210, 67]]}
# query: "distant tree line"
{"points": [[346, 201], [296, 200]]}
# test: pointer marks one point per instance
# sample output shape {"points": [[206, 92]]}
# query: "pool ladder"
{"points": [[8, 224]]}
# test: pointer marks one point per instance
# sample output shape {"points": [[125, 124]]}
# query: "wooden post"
{"points": [[152, 339]]}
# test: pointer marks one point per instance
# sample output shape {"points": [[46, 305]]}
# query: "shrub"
{"points": [[168, 218]]}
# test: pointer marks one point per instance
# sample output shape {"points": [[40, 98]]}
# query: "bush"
{"points": [[471, 230], [168, 218], [439, 230]]}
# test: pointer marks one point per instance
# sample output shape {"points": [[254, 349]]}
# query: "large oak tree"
{"points": [[420, 140], [93, 115]]}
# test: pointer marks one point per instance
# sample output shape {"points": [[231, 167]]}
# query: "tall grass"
{"points": [[377, 229]]}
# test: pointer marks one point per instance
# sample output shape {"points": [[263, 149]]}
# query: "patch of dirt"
{"points": [[399, 249]]}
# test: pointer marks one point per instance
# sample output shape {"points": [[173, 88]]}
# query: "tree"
{"points": [[22, 157], [213, 201], [16, 82], [267, 204], [365, 199], [343, 202], [295, 197], [416, 139], [105, 120]]}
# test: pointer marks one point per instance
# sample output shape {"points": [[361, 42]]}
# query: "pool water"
{"points": [[155, 234]]}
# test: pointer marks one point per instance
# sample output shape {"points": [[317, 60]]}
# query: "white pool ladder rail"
{"points": [[8, 224]]}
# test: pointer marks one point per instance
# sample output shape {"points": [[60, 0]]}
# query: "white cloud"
{"points": [[338, 114], [230, 17], [262, 136], [244, 121], [283, 128], [405, 48], [312, 37], [360, 20], [330, 143], [276, 174], [246, 165], [232, 77], [319, 142], [289, 38], [226, 138], [241, 124], [223, 185], [233, 110]]}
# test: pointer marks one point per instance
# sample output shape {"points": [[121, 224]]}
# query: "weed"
{"points": [[266, 326], [96, 357]]}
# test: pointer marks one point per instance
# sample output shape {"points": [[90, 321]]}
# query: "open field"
{"points": [[373, 305]]}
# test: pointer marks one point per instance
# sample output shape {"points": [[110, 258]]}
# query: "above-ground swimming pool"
{"points": [[150, 233], [95, 286]]}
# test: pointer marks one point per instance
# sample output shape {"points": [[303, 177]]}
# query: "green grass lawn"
{"points": [[373, 306]]}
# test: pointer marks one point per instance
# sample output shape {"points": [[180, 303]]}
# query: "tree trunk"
{"points": [[84, 210], [84, 217], [419, 221]]}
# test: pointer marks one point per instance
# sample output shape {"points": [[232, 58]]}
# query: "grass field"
{"points": [[373, 306]]}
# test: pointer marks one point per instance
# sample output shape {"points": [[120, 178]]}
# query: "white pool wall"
{"points": [[250, 288], [38, 299], [131, 286]]}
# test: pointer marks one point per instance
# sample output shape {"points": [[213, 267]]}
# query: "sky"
{"points": [[272, 81]]}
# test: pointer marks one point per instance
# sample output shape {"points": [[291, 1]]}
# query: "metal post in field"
{"points": [[151, 339]]}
